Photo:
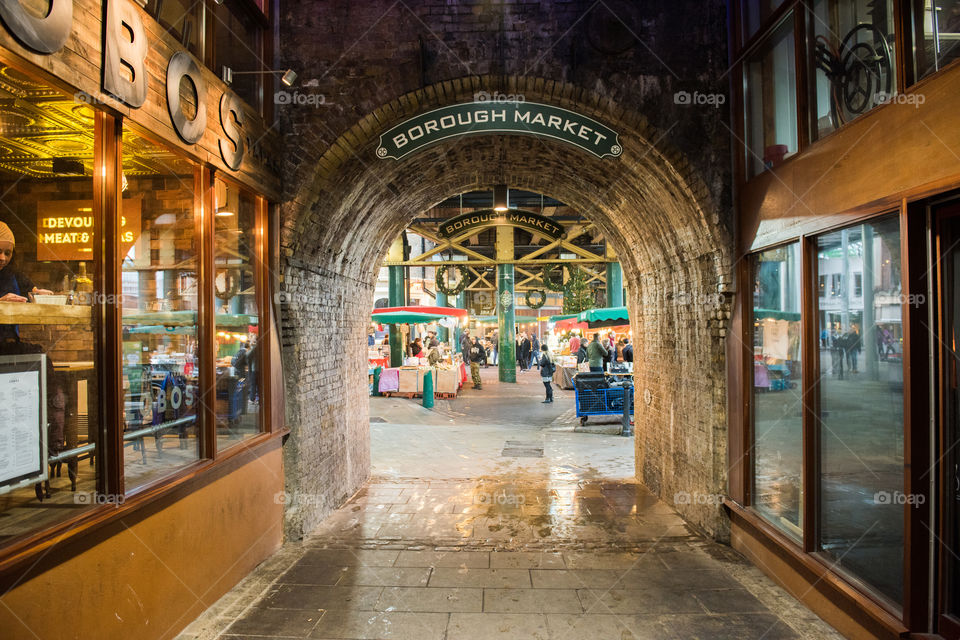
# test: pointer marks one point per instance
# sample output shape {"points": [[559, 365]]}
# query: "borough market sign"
{"points": [[525, 118], [491, 218]]}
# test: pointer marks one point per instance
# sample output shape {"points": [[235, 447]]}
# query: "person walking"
{"points": [[627, 350], [465, 345], [535, 352], [853, 347], [476, 355], [545, 363], [596, 353], [525, 353]]}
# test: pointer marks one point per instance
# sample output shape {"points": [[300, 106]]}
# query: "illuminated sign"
{"points": [[65, 229], [489, 218], [524, 118]]}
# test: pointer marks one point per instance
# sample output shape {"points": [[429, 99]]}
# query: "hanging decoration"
{"points": [[546, 274], [461, 283], [541, 298]]}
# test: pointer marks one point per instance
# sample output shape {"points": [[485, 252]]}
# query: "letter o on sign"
{"points": [[43, 35], [182, 64]]}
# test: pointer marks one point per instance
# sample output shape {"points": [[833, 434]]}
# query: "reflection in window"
{"points": [[182, 19], [941, 35], [754, 13], [237, 320], [853, 60], [770, 95], [237, 45], [777, 389], [159, 280], [861, 406], [48, 341]]}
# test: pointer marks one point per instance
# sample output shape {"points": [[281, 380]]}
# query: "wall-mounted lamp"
{"points": [[288, 78], [501, 198]]}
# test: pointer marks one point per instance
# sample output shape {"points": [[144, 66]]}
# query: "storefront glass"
{"points": [[49, 407], [778, 389], [237, 45], [237, 326], [861, 403], [852, 60], [770, 101], [941, 35], [160, 296], [754, 13], [183, 19]]}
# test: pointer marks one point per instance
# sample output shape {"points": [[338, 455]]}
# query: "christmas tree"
{"points": [[577, 294]]}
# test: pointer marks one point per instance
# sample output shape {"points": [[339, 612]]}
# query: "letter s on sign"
{"points": [[43, 35], [231, 121]]}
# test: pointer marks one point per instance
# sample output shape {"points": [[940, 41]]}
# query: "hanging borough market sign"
{"points": [[472, 118], [490, 218]]}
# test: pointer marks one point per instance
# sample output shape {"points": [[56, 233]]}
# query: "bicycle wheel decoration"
{"points": [[457, 289], [546, 274], [859, 70], [541, 298]]}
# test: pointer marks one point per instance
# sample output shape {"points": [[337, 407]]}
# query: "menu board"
{"points": [[23, 447]]}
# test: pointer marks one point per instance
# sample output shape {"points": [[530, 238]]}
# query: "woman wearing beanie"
{"points": [[14, 286]]}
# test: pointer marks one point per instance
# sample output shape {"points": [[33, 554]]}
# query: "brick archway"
{"points": [[670, 236]]}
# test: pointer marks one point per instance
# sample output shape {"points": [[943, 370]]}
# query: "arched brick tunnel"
{"points": [[672, 242]]}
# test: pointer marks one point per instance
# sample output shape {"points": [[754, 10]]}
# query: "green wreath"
{"points": [[548, 281], [442, 281], [540, 302]]}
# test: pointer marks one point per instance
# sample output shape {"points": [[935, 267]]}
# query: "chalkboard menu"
{"points": [[23, 416]]}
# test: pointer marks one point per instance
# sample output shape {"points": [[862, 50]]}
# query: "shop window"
{"points": [[182, 19], [237, 325], [754, 13], [237, 42], [940, 21], [50, 416], [777, 389], [770, 100], [861, 408], [160, 302], [852, 60]]}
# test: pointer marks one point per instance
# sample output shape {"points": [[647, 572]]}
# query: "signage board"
{"points": [[23, 416], [490, 218], [65, 228], [524, 118]]}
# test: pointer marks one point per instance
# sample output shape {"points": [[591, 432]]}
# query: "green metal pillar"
{"points": [[397, 297], [460, 303], [442, 333], [614, 284], [506, 324]]}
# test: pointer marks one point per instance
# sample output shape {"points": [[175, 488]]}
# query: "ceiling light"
{"points": [[224, 214]]}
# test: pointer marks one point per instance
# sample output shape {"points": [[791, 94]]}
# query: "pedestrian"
{"points": [[582, 355], [837, 349], [465, 345], [627, 350], [620, 345], [415, 348], [853, 348], [608, 356], [477, 355], [525, 353], [535, 351], [596, 352], [433, 353], [574, 344], [547, 368]]}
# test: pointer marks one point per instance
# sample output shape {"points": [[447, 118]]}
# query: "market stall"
{"points": [[449, 373]]}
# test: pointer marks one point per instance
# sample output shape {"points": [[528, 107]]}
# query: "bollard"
{"points": [[627, 428], [428, 390], [376, 381]]}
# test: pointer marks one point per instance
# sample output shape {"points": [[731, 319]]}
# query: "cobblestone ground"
{"points": [[493, 517]]}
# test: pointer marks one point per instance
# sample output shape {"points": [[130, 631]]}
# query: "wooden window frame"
{"points": [[36, 547], [913, 612]]}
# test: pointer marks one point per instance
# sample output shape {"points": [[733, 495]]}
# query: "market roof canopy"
{"points": [[443, 311], [563, 317], [406, 317], [605, 317]]}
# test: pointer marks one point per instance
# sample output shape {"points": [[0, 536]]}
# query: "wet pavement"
{"points": [[494, 516]]}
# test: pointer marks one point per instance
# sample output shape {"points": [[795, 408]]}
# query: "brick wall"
{"points": [[664, 204]]}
